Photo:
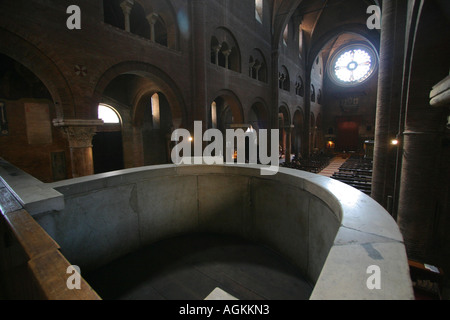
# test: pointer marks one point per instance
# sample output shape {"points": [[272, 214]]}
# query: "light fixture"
{"points": [[395, 142], [191, 139]]}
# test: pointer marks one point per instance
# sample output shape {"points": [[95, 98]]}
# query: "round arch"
{"points": [[229, 109], [258, 115], [43, 67], [158, 81], [225, 50]]}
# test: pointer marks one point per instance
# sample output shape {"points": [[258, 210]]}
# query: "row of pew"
{"points": [[314, 164], [356, 172]]}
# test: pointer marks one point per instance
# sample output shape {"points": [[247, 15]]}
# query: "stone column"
{"points": [[257, 67], [200, 103], [388, 115], [306, 145], [152, 18], [226, 53], [79, 134], [424, 193], [126, 6], [250, 68], [216, 52]]}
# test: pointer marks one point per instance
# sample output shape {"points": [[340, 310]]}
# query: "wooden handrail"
{"points": [[42, 271]]}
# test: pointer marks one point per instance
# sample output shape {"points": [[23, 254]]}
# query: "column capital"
{"points": [[127, 5], [217, 48], [79, 132], [152, 18], [226, 52]]}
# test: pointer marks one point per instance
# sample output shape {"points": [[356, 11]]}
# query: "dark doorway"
{"points": [[348, 135], [108, 151]]}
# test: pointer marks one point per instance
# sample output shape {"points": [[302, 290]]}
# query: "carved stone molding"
{"points": [[79, 133], [80, 137]]}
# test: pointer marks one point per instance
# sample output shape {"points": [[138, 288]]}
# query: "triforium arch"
{"points": [[225, 50], [258, 66], [284, 80], [163, 12], [44, 68], [154, 20]]}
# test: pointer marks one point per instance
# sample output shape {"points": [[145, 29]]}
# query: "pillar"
{"points": [[79, 134], [227, 53], [306, 145], [257, 67], [152, 19], [388, 114], [126, 6], [250, 68], [199, 58], [424, 194], [216, 53]]}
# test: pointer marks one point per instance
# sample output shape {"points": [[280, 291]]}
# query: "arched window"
{"points": [[225, 51], [258, 66], [113, 13], [158, 30], [132, 17], [156, 113], [299, 87], [214, 115], [284, 80], [108, 114]]}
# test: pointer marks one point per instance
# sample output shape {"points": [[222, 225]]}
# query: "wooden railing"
{"points": [[31, 264]]}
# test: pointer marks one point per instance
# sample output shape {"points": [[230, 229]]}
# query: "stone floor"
{"points": [[191, 267]]}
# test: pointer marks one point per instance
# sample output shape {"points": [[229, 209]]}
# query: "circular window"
{"points": [[352, 65]]}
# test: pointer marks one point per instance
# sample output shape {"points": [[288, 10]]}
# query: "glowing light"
{"points": [[250, 129], [353, 65], [395, 142], [107, 114]]}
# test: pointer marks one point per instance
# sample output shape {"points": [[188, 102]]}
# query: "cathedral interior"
{"points": [[89, 94]]}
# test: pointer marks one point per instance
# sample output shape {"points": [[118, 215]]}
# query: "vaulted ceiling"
{"points": [[327, 24]]}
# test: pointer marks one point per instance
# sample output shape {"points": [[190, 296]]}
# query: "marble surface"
{"points": [[332, 232]]}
